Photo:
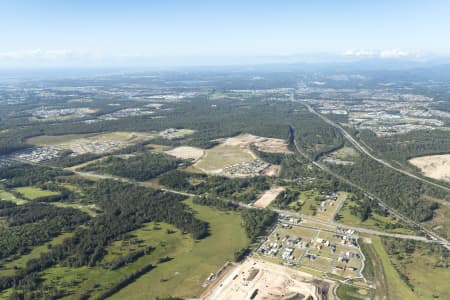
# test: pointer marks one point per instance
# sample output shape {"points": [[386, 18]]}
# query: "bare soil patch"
{"points": [[434, 166], [186, 152], [265, 280], [264, 144], [268, 197], [272, 171]]}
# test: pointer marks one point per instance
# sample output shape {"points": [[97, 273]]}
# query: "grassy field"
{"points": [[440, 223], [375, 221], [396, 287], [186, 272], [331, 206], [98, 279], [222, 155], [90, 209], [373, 269], [30, 192], [192, 261], [346, 153], [4, 195], [428, 280], [347, 292], [307, 202], [72, 187]]}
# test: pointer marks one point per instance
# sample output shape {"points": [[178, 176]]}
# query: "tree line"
{"points": [[125, 207]]}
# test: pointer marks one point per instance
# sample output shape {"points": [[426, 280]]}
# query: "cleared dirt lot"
{"points": [[265, 280], [434, 166], [268, 197], [236, 150], [186, 152], [262, 143]]}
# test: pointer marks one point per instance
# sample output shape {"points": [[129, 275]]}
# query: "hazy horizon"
{"points": [[141, 33]]}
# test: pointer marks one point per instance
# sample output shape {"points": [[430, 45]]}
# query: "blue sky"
{"points": [[98, 32]]}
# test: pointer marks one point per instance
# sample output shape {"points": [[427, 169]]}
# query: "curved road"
{"points": [[357, 145], [430, 233]]}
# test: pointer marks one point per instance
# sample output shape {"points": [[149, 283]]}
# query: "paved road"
{"points": [[245, 205], [305, 217], [430, 233], [357, 229], [361, 148]]}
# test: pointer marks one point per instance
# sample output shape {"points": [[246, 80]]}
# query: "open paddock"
{"points": [[218, 157], [234, 158], [30, 192]]}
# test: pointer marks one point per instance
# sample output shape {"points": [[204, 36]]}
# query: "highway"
{"points": [[434, 237], [357, 145], [361, 148], [289, 213]]}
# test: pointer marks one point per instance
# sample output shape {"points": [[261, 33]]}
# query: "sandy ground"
{"points": [[186, 152], [272, 281], [434, 166], [268, 197], [262, 143], [272, 171]]}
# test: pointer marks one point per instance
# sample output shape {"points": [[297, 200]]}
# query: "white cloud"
{"points": [[36, 54], [360, 53], [384, 53], [56, 57]]}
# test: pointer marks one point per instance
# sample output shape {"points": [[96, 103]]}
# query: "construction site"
{"points": [[259, 279]]}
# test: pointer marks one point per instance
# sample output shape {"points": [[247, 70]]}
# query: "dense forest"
{"points": [[33, 224], [272, 158], [210, 120], [240, 189], [397, 190], [405, 146], [315, 137], [24, 175], [256, 221], [140, 167]]}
